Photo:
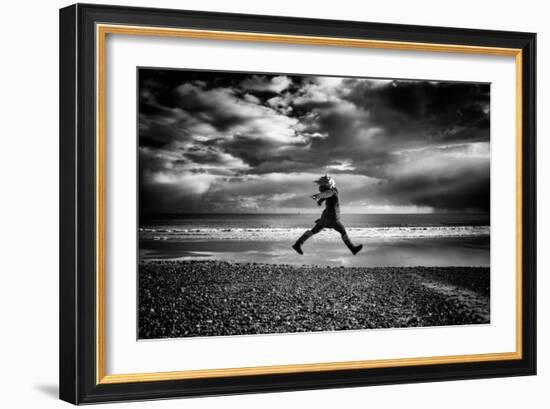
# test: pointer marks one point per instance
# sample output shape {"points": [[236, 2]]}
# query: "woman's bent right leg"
{"points": [[339, 227]]}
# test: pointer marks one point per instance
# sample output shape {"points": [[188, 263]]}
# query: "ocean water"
{"points": [[388, 239]]}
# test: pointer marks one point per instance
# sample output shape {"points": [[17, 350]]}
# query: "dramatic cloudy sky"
{"points": [[225, 142]]}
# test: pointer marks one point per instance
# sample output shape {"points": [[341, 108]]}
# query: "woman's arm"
{"points": [[323, 195]]}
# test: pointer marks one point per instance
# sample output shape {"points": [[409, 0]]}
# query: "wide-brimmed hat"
{"points": [[325, 181]]}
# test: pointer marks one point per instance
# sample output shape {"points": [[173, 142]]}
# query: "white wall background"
{"points": [[29, 204]]}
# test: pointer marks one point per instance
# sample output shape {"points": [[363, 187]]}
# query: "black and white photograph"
{"points": [[253, 202], [276, 203]]}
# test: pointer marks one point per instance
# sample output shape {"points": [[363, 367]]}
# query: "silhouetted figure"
{"points": [[331, 215]]}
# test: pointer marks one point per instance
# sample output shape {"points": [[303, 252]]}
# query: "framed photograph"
{"points": [[258, 203]]}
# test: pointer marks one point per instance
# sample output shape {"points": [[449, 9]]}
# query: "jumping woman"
{"points": [[331, 215]]}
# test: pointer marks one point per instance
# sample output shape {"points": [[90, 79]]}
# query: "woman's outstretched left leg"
{"points": [[307, 234], [347, 241]]}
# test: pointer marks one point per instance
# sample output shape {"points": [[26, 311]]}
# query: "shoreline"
{"points": [[215, 298], [164, 260]]}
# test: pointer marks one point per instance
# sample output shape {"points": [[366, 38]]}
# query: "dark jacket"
{"points": [[331, 214]]}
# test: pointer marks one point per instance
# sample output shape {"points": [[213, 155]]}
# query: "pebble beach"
{"points": [[218, 298]]}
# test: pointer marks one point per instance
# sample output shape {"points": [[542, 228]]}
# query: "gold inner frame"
{"points": [[101, 33]]}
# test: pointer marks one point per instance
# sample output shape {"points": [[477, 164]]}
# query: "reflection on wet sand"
{"points": [[462, 251]]}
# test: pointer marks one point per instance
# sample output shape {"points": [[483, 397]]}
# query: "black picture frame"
{"points": [[78, 235]]}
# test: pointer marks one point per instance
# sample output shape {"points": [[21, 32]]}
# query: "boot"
{"points": [[351, 247], [298, 245]]}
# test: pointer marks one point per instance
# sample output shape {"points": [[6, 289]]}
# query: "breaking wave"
{"points": [[286, 234]]}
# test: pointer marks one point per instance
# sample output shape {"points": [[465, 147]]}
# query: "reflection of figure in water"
{"points": [[330, 217]]}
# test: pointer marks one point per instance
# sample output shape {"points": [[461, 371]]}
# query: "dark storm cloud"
{"points": [[442, 112], [213, 141]]}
